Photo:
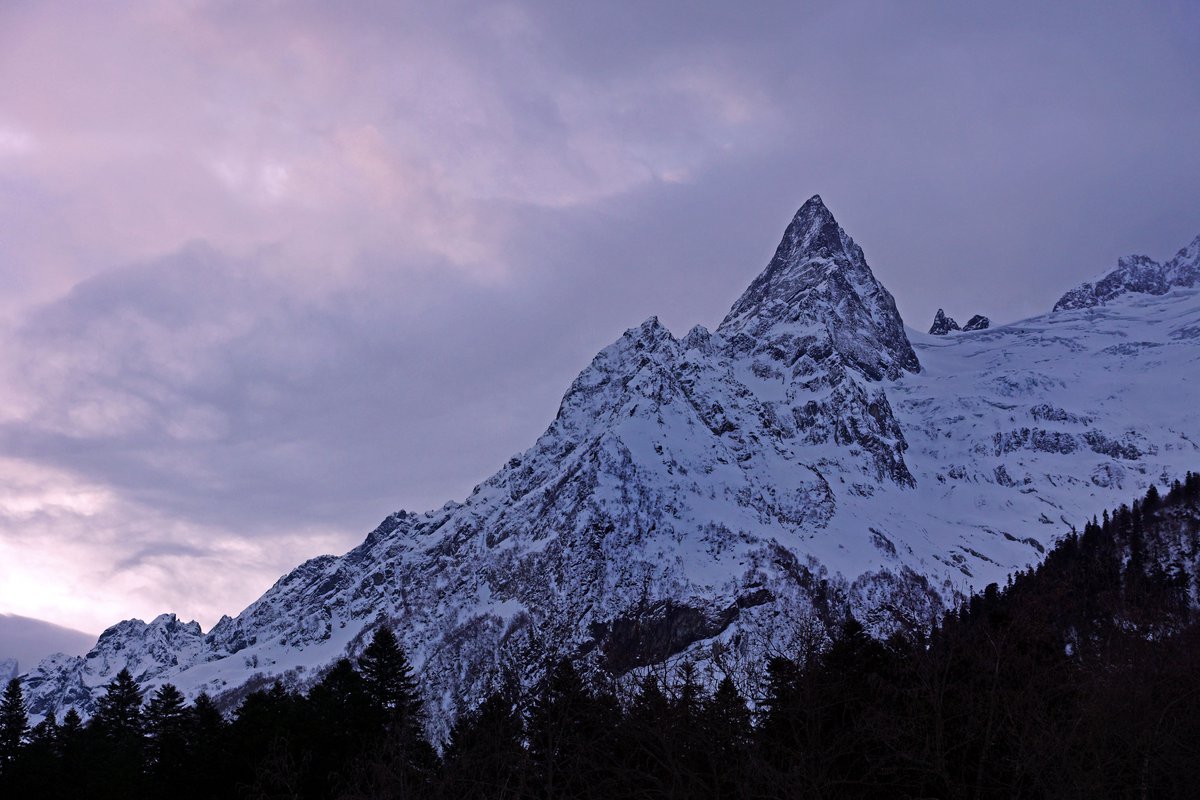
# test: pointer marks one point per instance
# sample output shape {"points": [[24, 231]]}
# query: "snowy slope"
{"points": [[720, 493]]}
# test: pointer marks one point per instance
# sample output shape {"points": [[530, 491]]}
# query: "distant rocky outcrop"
{"points": [[1137, 275], [943, 324]]}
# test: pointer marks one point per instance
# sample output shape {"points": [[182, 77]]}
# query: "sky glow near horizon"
{"points": [[276, 270]]}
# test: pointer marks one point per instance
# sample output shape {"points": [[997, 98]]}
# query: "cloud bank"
{"points": [[274, 271]]}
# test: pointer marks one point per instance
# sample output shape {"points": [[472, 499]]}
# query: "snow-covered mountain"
{"points": [[1137, 275], [721, 494]]}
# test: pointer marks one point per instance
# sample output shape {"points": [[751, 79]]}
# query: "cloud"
{"points": [[30, 640], [273, 271]]}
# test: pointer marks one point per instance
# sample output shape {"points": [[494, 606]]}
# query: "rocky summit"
{"points": [[726, 494], [1137, 275], [942, 324], [977, 323]]}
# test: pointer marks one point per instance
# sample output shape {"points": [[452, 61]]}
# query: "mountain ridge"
{"points": [[1139, 275], [708, 496]]}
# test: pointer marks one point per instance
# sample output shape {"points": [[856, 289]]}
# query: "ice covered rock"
{"points": [[942, 324], [1137, 275]]}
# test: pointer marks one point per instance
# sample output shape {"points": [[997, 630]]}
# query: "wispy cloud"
{"points": [[274, 270]]}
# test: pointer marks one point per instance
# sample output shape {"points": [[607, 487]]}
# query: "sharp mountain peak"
{"points": [[818, 286]]}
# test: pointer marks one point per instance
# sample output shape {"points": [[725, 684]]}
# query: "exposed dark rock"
{"points": [[943, 324], [818, 319], [1034, 439], [977, 323], [666, 628]]}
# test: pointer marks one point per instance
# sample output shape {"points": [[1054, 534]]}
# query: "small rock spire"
{"points": [[943, 324]]}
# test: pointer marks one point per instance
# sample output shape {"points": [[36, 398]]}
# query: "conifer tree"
{"points": [[388, 674], [485, 757], [570, 736], [45, 733], [118, 757], [727, 735], [71, 738], [391, 685], [119, 711], [650, 705], [402, 762], [207, 733], [204, 714], [72, 724], [165, 713], [14, 723], [166, 728]]}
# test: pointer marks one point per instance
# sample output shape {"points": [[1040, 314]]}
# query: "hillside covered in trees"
{"points": [[1075, 680]]}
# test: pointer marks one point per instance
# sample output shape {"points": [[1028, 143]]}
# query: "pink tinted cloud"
{"points": [[324, 131], [419, 220]]}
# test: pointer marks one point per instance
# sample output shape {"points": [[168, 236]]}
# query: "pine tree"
{"points": [[166, 728], [71, 744], [14, 723], [571, 735], [45, 733], [727, 735], [336, 725], [119, 711], [391, 685], [650, 705], [205, 716], [165, 713], [119, 755], [72, 724], [727, 718], [401, 762], [485, 757], [207, 734]]}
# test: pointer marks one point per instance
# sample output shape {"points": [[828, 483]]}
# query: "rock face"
{"points": [[818, 299], [942, 324], [977, 323], [726, 495], [1137, 275], [817, 324]]}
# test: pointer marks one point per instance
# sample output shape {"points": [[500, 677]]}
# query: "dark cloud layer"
{"points": [[277, 270], [28, 641]]}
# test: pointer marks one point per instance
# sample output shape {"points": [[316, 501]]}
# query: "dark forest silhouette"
{"points": [[1076, 680]]}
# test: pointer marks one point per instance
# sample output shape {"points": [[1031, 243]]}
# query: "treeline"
{"points": [[1076, 680]]}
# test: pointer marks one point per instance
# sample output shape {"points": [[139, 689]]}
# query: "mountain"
{"points": [[724, 494], [977, 323], [942, 324], [1137, 275]]}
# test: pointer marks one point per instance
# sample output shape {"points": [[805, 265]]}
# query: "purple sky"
{"points": [[273, 271]]}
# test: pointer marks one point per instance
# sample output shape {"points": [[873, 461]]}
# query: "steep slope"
{"points": [[718, 494]]}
